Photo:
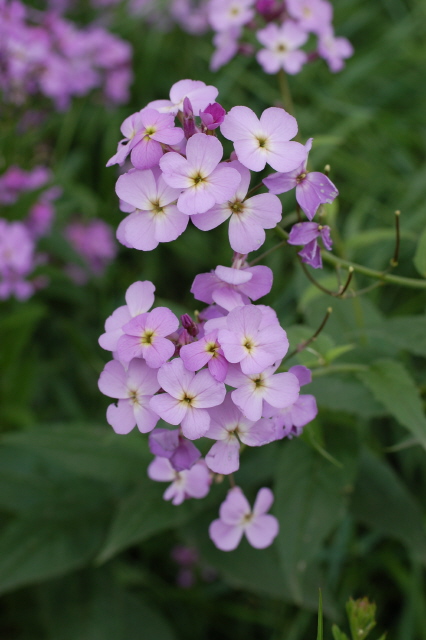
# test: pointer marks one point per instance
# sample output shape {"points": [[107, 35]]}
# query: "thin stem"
{"points": [[285, 92], [300, 347], [254, 189], [266, 253], [394, 261], [231, 480]]}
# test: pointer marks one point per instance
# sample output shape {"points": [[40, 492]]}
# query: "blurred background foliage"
{"points": [[86, 542]]}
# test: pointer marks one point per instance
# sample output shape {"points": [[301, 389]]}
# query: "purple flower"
{"points": [[134, 389], [139, 299], [204, 183], [94, 242], [191, 483], [198, 93], [258, 142], [170, 444], [311, 15], [156, 219], [252, 391], [247, 218], [307, 233], [17, 260], [226, 43], [312, 188], [212, 116], [289, 422], [247, 341], [228, 426], [187, 397], [282, 47], [145, 337], [236, 519]]}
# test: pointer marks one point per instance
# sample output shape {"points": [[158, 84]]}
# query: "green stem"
{"points": [[285, 92], [413, 283]]}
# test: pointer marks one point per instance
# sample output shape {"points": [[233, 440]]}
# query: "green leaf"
{"points": [[311, 498], [420, 255], [91, 606], [406, 332], [392, 385], [338, 393], [337, 634], [383, 503]]}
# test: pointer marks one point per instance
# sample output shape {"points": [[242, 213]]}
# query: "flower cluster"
{"points": [[18, 255], [282, 28], [219, 375], [179, 175], [41, 53]]}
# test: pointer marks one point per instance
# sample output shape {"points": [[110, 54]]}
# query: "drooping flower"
{"points": [[187, 398], [248, 218], [191, 483], [134, 389], [312, 187], [171, 444], [156, 218], [237, 518], [203, 180], [265, 140], [307, 233], [282, 47]]}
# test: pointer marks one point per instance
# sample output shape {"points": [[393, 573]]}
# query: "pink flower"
{"points": [[334, 50], [187, 397], [312, 188], [247, 218], [226, 43], [139, 298], [204, 351], [225, 14], [280, 390], [204, 183], [145, 132], [258, 142], [307, 233], [212, 116], [236, 519], [289, 422], [282, 47], [156, 219], [134, 389], [246, 341], [311, 15], [228, 426], [198, 93], [145, 337], [191, 483]]}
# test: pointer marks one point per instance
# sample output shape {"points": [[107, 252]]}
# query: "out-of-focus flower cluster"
{"points": [[19, 256], [218, 375], [42, 53], [282, 28]]}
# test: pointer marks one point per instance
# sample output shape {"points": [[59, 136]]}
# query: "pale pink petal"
{"points": [[142, 378], [263, 502], [204, 153], [244, 235], [198, 480], [218, 367], [113, 380], [176, 170], [195, 200], [258, 434], [168, 408], [195, 423], [249, 402], [175, 378], [140, 297], [146, 154], [282, 182], [286, 156], [139, 231], [158, 352], [207, 390], [268, 60], [137, 188], [245, 320], [235, 507], [250, 154], [129, 347], [240, 123], [233, 276], [282, 390], [260, 283], [161, 470], [223, 182], [170, 224], [121, 417], [226, 537], [224, 457], [279, 124], [212, 218], [195, 355], [146, 419], [262, 531], [303, 374]]}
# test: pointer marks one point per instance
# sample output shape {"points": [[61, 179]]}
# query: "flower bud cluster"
{"points": [[219, 375], [42, 53]]}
